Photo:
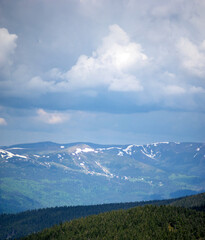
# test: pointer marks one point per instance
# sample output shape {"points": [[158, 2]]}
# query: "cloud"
{"points": [[192, 56], [113, 65], [174, 90], [3, 121], [51, 118], [7, 47], [38, 85], [142, 62], [194, 89]]}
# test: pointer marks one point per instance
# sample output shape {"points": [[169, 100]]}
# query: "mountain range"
{"points": [[48, 174]]}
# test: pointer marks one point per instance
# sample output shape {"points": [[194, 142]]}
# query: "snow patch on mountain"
{"points": [[120, 154], [158, 143], [146, 153], [6, 154], [15, 148], [105, 170], [107, 149], [128, 149], [85, 150]]}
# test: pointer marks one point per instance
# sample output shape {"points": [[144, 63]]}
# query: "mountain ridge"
{"points": [[88, 173]]}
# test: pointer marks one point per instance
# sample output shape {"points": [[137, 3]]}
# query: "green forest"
{"points": [[14, 226], [147, 222]]}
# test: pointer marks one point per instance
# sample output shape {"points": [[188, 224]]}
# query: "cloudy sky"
{"points": [[120, 71]]}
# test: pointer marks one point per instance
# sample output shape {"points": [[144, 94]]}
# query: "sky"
{"points": [[111, 72]]}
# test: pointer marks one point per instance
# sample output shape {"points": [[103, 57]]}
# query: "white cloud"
{"points": [[196, 90], [3, 121], [112, 65], [125, 83], [192, 56], [118, 64], [7, 46], [38, 85], [51, 118], [174, 90], [55, 73]]}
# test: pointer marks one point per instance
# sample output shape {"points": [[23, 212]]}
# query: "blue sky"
{"points": [[102, 71]]}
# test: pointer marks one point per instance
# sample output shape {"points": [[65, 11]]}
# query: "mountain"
{"points": [[48, 174], [21, 224]]}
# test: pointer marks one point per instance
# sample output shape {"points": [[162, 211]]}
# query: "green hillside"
{"points": [[148, 222], [24, 223], [194, 201], [21, 224]]}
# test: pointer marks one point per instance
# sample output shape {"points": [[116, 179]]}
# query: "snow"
{"points": [[150, 155], [128, 150], [47, 164], [113, 148], [78, 150], [157, 143], [7, 154], [20, 156], [120, 154], [198, 149], [125, 178], [109, 148], [15, 148], [86, 150], [105, 170]]}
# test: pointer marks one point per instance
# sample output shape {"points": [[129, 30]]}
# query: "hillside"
{"points": [[22, 224], [195, 201], [47, 174], [148, 222]]}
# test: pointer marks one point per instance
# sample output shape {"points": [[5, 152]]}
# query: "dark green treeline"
{"points": [[141, 223]]}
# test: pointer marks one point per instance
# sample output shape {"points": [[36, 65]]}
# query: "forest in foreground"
{"points": [[147, 222], [14, 226]]}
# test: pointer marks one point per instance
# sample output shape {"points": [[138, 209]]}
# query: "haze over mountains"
{"points": [[49, 174]]}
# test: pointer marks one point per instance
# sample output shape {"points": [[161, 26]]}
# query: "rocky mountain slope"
{"points": [[50, 174]]}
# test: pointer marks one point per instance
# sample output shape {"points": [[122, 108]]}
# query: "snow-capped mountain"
{"points": [[50, 174]]}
